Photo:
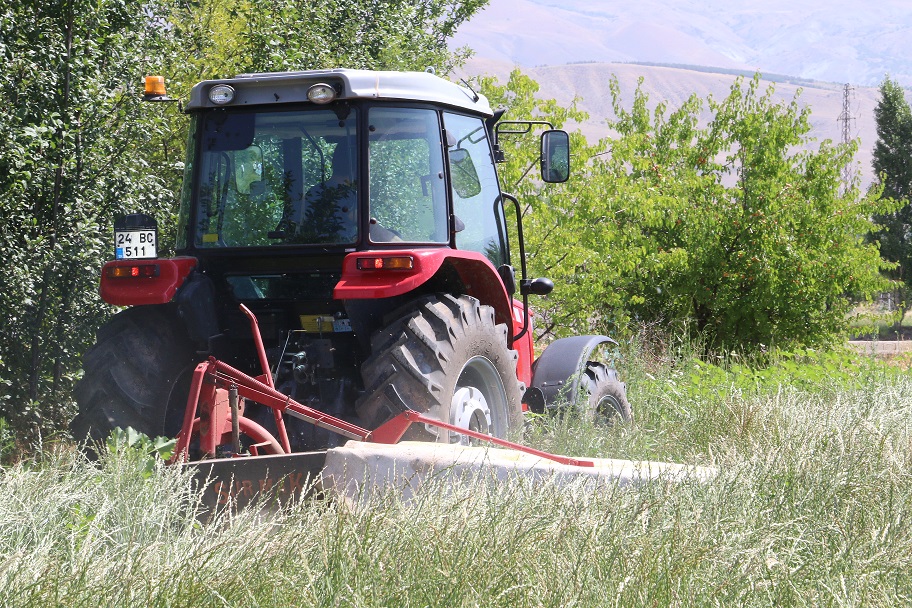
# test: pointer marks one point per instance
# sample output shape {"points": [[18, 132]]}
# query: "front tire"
{"points": [[447, 358], [607, 395], [137, 375]]}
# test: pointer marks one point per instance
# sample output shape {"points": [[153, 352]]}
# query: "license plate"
{"points": [[134, 244]]}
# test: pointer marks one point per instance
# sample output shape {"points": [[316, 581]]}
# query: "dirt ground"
{"points": [[882, 348]]}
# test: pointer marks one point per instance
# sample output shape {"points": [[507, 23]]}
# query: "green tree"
{"points": [[737, 228], [774, 256], [73, 136], [893, 163], [228, 37]]}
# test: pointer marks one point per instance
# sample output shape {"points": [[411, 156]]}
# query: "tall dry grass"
{"points": [[812, 507]]}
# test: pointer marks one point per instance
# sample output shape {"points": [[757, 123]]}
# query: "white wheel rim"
{"points": [[469, 410], [478, 399]]}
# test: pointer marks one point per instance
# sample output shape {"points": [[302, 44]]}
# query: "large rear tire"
{"points": [[446, 357], [137, 375]]}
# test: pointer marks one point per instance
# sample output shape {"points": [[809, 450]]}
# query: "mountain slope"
{"points": [[831, 40], [675, 85]]}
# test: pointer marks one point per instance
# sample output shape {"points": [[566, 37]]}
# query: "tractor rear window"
{"points": [[407, 188], [277, 178]]}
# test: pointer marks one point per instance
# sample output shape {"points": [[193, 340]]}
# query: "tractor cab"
{"points": [[289, 175], [340, 161]]}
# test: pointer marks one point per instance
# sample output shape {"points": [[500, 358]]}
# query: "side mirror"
{"points": [[536, 287], [463, 174], [555, 156], [248, 168]]}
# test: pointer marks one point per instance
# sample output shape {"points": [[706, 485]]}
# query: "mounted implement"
{"points": [[358, 217]]}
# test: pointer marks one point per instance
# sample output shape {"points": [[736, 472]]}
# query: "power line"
{"points": [[847, 118]]}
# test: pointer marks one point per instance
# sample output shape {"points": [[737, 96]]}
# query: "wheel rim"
{"points": [[469, 410], [478, 399], [608, 407]]}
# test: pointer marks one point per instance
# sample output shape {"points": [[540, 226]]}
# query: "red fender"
{"points": [[524, 347], [372, 281], [135, 282]]}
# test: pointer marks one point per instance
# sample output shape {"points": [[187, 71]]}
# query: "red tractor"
{"points": [[359, 216]]}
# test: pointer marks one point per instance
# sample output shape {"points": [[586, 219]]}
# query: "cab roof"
{"points": [[272, 88]]}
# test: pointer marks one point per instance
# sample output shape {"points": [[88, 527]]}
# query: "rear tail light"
{"points": [[399, 262], [141, 271]]}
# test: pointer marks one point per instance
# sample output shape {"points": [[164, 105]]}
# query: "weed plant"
{"points": [[812, 506]]}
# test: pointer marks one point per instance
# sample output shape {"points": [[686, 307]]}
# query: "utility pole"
{"points": [[847, 119]]}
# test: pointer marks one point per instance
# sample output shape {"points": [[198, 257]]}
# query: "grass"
{"points": [[812, 507]]}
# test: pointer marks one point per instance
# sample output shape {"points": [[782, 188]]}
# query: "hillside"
{"points": [[830, 40], [589, 81]]}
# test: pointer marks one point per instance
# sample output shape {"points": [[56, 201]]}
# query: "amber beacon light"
{"points": [[155, 89]]}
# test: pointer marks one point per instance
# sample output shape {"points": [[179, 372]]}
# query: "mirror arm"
{"points": [[527, 124], [507, 127]]}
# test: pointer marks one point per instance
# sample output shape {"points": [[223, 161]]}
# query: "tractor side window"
{"points": [[277, 178], [407, 195], [476, 193]]}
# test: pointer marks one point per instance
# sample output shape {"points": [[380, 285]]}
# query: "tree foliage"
{"points": [[893, 163], [228, 37], [734, 225], [72, 158]]}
